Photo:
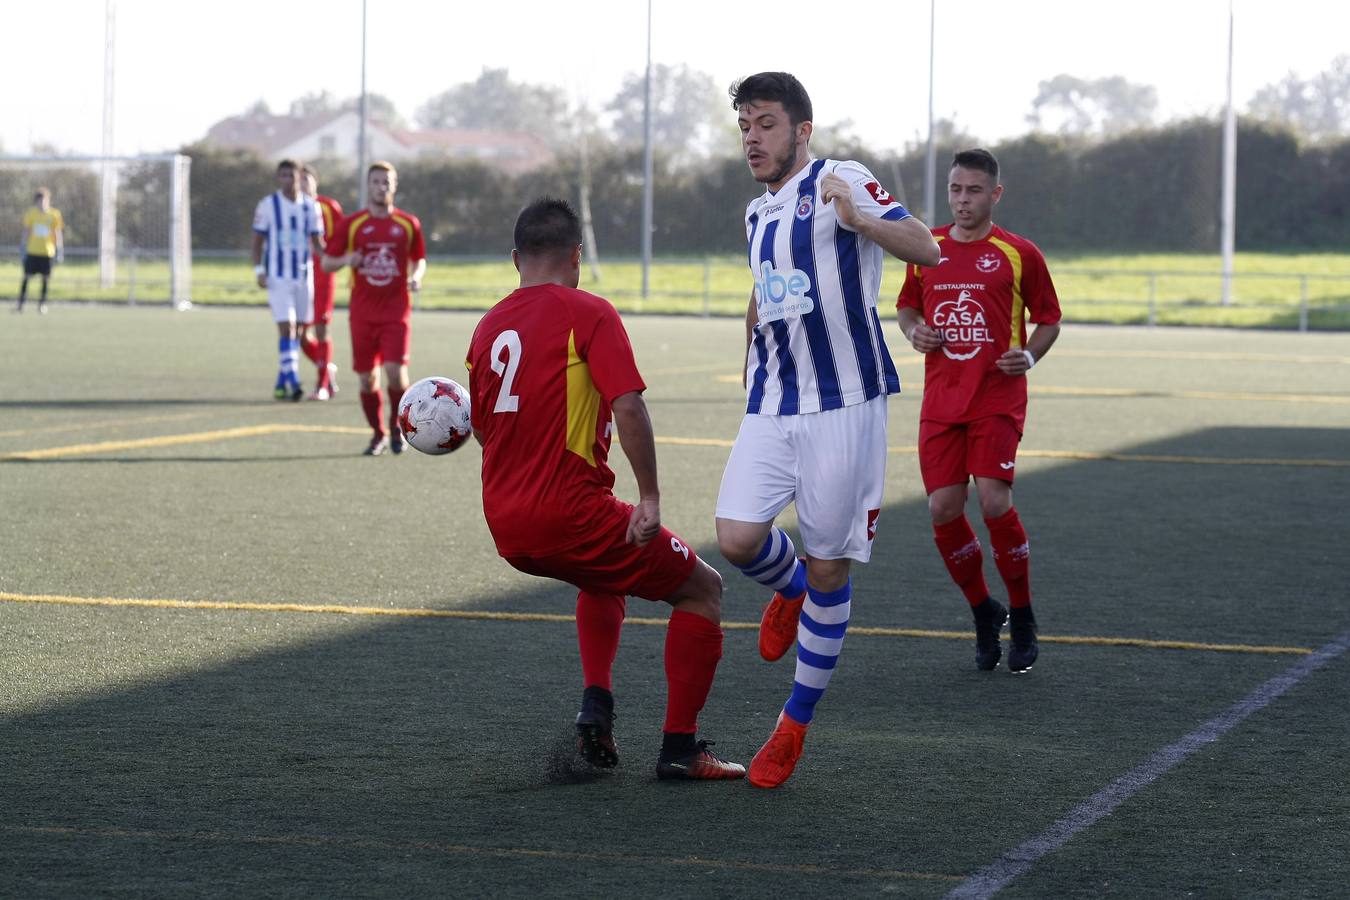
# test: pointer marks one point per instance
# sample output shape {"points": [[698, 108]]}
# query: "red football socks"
{"points": [[371, 401], [395, 395], [599, 620], [325, 356], [1012, 555], [310, 348], [693, 648], [961, 552]]}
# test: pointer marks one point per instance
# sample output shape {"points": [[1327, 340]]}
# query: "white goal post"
{"points": [[129, 213]]}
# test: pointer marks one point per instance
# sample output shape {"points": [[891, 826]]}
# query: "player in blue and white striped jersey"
{"points": [[287, 239], [817, 376]]}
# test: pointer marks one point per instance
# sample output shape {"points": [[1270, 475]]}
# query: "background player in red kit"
{"points": [[381, 243], [968, 315], [317, 346], [551, 371]]}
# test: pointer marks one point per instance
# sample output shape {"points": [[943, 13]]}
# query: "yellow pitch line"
{"points": [[1189, 395], [497, 616], [301, 840], [171, 440], [200, 437], [107, 423], [1200, 354], [1333, 399]]}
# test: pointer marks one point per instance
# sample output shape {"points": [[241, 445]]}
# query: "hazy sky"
{"points": [[179, 70]]}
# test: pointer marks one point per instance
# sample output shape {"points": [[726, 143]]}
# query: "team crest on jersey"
{"points": [[396, 230], [879, 194], [804, 208], [379, 266], [988, 263]]}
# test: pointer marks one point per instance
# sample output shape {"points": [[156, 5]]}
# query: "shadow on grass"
{"points": [[338, 756]]}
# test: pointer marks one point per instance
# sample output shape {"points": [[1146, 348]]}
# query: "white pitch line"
{"points": [[1017, 861]]}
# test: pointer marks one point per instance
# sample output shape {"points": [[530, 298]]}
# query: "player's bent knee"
{"points": [[740, 542], [701, 593]]}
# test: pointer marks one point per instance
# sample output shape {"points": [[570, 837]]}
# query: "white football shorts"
{"points": [[291, 299], [831, 463]]}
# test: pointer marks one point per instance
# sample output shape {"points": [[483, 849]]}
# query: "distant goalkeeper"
{"points": [[42, 241]]}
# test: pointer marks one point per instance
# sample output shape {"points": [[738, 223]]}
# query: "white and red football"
{"points": [[434, 415]]}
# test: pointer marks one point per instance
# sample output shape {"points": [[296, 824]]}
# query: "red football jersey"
{"points": [[544, 365], [331, 211], [387, 245], [978, 297]]}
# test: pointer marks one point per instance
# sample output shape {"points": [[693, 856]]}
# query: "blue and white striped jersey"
{"points": [[819, 343], [287, 225]]}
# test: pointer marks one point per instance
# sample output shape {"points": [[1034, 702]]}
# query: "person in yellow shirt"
{"points": [[43, 240]]}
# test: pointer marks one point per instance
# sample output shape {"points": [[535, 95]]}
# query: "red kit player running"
{"points": [[551, 374], [968, 315], [318, 347], [384, 247]]}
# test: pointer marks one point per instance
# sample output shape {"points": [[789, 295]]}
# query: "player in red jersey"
{"points": [[968, 315], [551, 374], [384, 246], [318, 347]]}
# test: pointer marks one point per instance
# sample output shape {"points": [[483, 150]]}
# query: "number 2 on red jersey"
{"points": [[506, 345]]}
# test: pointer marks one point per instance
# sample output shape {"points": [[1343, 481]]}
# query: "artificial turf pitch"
{"points": [[241, 659]]}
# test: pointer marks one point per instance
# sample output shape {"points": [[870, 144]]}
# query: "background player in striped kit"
{"points": [[287, 228], [817, 375], [318, 347], [968, 316]]}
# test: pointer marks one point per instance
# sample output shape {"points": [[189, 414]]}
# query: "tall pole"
{"points": [[647, 164], [1228, 213], [930, 168], [107, 213], [361, 128]]}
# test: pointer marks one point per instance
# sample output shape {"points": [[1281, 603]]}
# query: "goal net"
{"points": [[127, 227]]}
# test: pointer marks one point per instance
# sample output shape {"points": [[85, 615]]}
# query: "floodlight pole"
{"points": [[1228, 211], [647, 164], [107, 213], [930, 169], [361, 128]]}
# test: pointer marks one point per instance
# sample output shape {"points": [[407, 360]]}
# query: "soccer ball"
{"points": [[434, 415]]}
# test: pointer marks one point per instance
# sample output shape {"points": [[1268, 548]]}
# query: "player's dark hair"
{"points": [[548, 225], [288, 164], [766, 87], [42, 193], [978, 159]]}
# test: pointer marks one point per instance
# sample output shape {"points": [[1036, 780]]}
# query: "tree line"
{"points": [[1146, 190]]}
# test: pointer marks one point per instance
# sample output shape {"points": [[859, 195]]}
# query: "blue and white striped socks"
{"points": [[289, 353], [820, 638], [777, 566]]}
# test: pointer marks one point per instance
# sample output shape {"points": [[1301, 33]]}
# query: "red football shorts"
{"points": [[323, 297], [950, 454], [377, 342], [605, 563]]}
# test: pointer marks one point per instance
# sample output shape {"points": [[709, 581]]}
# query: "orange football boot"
{"points": [[774, 762]]}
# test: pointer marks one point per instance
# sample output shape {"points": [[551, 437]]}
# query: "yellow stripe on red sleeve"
{"points": [[1015, 260]]}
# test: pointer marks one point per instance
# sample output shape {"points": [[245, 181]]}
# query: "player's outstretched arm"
{"points": [[907, 239], [634, 427]]}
